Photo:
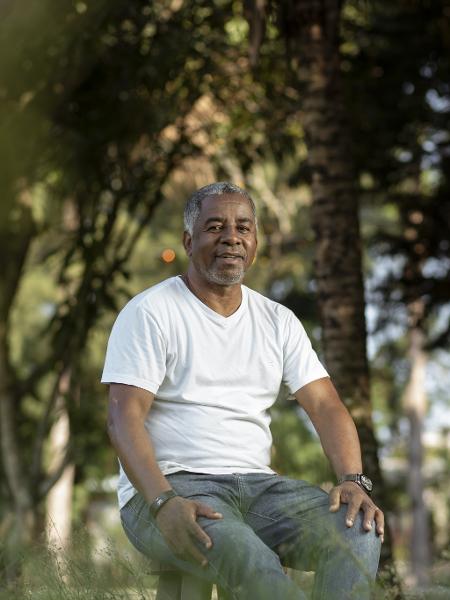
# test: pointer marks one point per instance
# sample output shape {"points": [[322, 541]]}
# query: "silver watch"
{"points": [[362, 480]]}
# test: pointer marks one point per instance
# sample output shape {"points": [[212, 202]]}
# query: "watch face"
{"points": [[366, 482]]}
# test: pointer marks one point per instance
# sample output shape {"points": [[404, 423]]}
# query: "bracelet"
{"points": [[160, 500]]}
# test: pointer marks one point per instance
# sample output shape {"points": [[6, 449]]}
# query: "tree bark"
{"points": [[312, 31], [59, 499], [415, 408], [16, 236]]}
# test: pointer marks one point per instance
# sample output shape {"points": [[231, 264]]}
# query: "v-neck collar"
{"points": [[209, 312]]}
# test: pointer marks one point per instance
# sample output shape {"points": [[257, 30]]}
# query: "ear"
{"points": [[187, 243]]}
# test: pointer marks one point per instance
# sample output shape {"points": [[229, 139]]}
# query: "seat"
{"points": [[177, 585]]}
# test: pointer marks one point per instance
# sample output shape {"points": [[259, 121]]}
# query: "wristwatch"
{"points": [[160, 500], [362, 480]]}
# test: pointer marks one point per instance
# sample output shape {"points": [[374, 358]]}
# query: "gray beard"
{"points": [[223, 277]]}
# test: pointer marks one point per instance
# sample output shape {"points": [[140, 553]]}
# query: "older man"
{"points": [[194, 363]]}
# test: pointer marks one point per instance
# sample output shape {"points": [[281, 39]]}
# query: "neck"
{"points": [[223, 299]]}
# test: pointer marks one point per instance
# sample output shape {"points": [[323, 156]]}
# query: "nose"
{"points": [[230, 236]]}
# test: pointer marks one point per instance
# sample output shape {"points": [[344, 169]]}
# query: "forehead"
{"points": [[226, 206]]}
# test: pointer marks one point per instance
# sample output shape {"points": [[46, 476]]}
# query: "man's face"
{"points": [[223, 243]]}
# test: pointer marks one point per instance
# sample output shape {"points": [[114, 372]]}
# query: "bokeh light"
{"points": [[168, 255]]}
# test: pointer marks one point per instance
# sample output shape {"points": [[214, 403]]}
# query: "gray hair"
{"points": [[194, 204]]}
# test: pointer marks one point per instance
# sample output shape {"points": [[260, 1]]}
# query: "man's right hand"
{"points": [[177, 522]]}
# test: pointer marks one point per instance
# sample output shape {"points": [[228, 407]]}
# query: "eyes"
{"points": [[219, 227]]}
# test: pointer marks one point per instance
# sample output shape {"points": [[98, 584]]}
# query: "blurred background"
{"points": [[335, 116]]}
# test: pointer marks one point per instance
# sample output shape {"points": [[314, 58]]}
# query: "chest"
{"points": [[245, 354]]}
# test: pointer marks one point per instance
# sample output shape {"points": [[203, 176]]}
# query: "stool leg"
{"points": [[193, 588], [221, 594], [182, 586], [169, 586]]}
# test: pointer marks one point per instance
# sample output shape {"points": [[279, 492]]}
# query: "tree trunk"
{"points": [[15, 237], [312, 31], [415, 409], [59, 499], [19, 524]]}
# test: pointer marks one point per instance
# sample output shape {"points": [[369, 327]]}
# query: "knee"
{"points": [[236, 548], [364, 545]]}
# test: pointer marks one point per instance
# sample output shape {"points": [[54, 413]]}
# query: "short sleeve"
{"points": [[300, 362], [136, 353]]}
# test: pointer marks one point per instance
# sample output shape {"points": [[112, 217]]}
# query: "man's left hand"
{"points": [[352, 494]]}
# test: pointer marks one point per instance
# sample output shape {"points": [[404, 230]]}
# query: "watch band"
{"points": [[359, 478], [160, 500]]}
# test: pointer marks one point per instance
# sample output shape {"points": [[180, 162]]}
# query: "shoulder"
{"points": [[155, 295], [271, 315], [153, 301], [271, 308]]}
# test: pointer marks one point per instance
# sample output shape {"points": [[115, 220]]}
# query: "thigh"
{"points": [[292, 517], [236, 548], [141, 528]]}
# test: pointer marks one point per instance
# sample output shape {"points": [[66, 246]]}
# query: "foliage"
{"points": [[113, 113], [98, 185], [404, 171]]}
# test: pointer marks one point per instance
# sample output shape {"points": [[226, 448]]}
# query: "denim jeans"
{"points": [[268, 521]]}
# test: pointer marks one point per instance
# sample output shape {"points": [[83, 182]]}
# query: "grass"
{"points": [[84, 573], [79, 574]]}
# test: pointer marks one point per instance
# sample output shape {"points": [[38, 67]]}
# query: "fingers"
{"points": [[354, 504], [372, 514], [206, 511], [369, 515], [351, 494], [183, 532], [335, 499], [187, 550], [194, 553], [379, 523], [183, 542], [197, 532]]}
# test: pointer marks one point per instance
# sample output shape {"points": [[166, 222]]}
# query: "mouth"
{"points": [[230, 258]]}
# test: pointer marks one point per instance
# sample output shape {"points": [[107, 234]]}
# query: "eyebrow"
{"points": [[222, 220]]}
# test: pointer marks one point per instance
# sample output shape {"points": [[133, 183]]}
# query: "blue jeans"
{"points": [[268, 520]]}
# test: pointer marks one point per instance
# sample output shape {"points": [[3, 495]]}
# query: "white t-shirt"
{"points": [[214, 377]]}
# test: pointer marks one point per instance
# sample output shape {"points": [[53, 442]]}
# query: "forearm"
{"points": [[339, 440], [333, 423], [135, 451]]}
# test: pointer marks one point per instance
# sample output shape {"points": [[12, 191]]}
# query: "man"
{"points": [[194, 363]]}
